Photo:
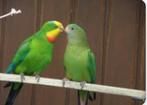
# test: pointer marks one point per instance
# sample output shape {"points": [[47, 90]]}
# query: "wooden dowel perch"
{"points": [[137, 94]]}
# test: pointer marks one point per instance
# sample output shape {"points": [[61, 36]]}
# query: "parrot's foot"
{"points": [[37, 77], [64, 80], [82, 84], [22, 77]]}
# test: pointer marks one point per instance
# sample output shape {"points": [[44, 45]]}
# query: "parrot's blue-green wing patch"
{"points": [[92, 66], [20, 55]]}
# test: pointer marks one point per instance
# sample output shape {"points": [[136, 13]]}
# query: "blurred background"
{"points": [[116, 33]]}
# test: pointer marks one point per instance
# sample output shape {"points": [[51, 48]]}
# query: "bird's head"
{"points": [[52, 30], [75, 33]]}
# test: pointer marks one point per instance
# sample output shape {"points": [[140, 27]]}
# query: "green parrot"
{"points": [[79, 61], [33, 56]]}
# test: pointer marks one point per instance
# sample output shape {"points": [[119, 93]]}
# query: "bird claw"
{"points": [[37, 77], [82, 84], [64, 80], [22, 77]]}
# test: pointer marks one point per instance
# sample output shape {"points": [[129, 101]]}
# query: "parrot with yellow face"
{"points": [[33, 56]]}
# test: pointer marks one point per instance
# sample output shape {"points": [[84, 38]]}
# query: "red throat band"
{"points": [[51, 39]]}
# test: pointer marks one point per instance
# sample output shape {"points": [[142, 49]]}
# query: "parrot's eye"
{"points": [[72, 28]]}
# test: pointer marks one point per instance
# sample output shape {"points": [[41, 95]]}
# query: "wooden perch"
{"points": [[137, 94]]}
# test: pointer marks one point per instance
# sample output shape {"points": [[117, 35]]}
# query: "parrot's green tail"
{"points": [[13, 93], [91, 96], [84, 96]]}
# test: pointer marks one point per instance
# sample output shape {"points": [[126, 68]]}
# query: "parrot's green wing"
{"points": [[92, 66], [20, 55], [92, 71]]}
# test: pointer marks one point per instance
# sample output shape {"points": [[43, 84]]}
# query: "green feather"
{"points": [[92, 66]]}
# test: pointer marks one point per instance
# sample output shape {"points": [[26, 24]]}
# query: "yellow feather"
{"points": [[54, 32]]}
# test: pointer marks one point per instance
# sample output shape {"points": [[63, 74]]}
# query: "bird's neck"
{"points": [[83, 44], [42, 36]]}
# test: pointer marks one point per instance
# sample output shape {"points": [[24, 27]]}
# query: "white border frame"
{"points": [[145, 103], [138, 94]]}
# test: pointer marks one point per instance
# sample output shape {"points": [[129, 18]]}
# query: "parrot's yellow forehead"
{"points": [[59, 24]]}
